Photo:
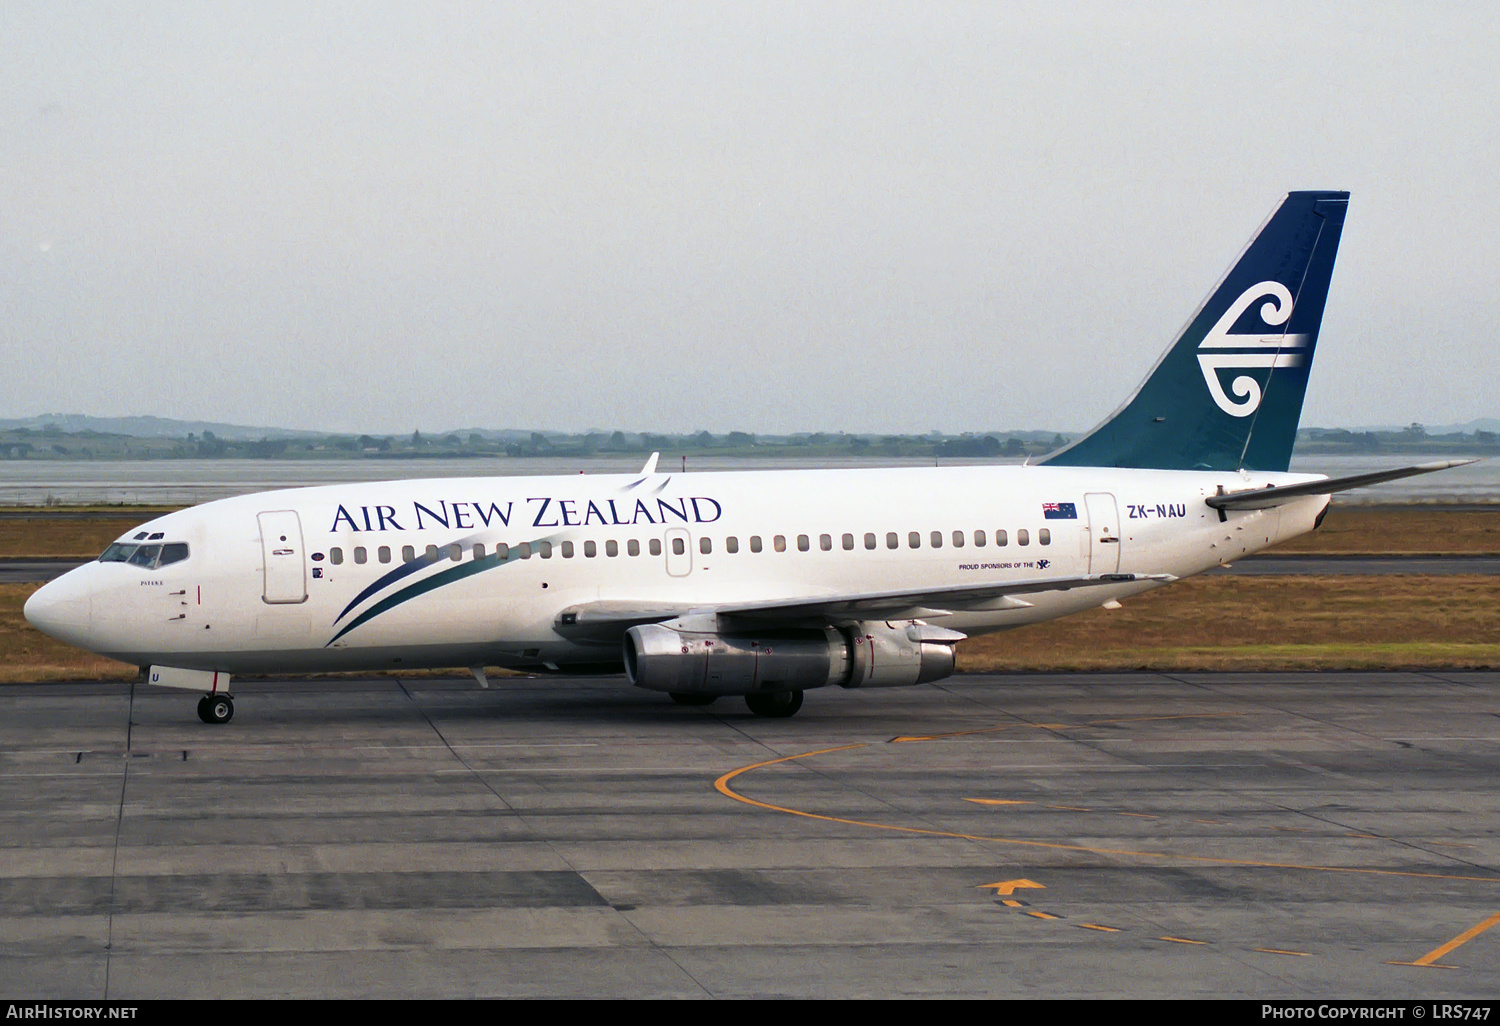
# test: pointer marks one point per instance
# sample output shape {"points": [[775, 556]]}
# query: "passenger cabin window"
{"points": [[432, 554], [590, 549], [567, 550], [979, 539], [914, 539], [1023, 537], [408, 554], [611, 548], [524, 550], [825, 542], [633, 547], [755, 543], [779, 543], [1044, 536], [655, 546], [544, 549], [958, 539], [359, 554], [1001, 538], [502, 551], [731, 544], [937, 539], [478, 552], [848, 543], [705, 544], [678, 546], [803, 544], [870, 540], [335, 555], [892, 540]]}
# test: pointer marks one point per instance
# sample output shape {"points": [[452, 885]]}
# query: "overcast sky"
{"points": [[879, 217]]}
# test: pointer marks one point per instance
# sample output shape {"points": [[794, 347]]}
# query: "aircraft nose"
{"points": [[61, 608]]}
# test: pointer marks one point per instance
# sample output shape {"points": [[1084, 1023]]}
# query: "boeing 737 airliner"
{"points": [[759, 584]]}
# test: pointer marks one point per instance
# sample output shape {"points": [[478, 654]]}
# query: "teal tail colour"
{"points": [[1227, 395]]}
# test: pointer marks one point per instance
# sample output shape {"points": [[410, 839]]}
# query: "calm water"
{"points": [[174, 482]]}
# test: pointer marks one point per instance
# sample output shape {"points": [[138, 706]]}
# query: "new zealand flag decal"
{"points": [[1059, 511]]}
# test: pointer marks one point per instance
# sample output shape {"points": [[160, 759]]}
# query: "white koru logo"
{"points": [[1268, 349]]}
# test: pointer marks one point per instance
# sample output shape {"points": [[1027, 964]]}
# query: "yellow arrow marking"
{"points": [[1181, 940], [1282, 951], [1093, 926], [1009, 886], [994, 801], [1042, 915], [1429, 960]]}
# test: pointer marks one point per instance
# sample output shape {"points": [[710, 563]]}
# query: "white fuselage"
{"points": [[479, 571]]}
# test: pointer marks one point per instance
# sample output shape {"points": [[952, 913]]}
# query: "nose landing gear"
{"points": [[216, 708]]}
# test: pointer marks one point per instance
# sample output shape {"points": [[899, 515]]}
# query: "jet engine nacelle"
{"points": [[891, 655], [677, 658]]}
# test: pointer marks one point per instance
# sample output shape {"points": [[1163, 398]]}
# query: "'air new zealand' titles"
{"points": [[759, 584]]}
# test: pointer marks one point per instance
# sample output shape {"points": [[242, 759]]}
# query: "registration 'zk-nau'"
{"points": [[760, 584]]}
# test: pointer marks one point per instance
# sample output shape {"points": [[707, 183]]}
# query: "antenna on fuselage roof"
{"points": [[650, 467]]}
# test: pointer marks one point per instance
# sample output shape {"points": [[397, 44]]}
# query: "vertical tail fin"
{"points": [[1228, 392]]}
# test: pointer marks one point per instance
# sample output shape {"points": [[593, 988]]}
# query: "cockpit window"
{"points": [[141, 536], [145, 556], [150, 557]]}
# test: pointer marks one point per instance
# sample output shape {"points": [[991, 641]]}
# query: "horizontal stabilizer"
{"points": [[1266, 498]]}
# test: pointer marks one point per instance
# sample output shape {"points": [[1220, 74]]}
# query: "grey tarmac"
{"points": [[1205, 835]]}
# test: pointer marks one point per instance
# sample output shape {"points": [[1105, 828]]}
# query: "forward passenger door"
{"points": [[285, 563]]}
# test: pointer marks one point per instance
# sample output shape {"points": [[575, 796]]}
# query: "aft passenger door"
{"points": [[1104, 533], [286, 567]]}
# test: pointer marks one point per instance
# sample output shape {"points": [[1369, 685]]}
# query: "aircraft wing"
{"points": [[1265, 498], [912, 603]]}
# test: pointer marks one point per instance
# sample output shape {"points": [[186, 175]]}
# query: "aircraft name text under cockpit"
{"points": [[535, 511]]}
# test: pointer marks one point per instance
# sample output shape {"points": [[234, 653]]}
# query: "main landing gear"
{"points": [[778, 704], [216, 708]]}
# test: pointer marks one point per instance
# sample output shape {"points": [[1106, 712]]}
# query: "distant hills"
{"points": [[166, 427], [147, 427], [65, 436]]}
